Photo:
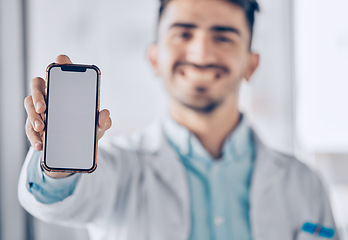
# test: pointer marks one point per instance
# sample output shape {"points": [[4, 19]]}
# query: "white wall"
{"points": [[321, 75]]}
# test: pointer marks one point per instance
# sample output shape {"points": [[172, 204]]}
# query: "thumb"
{"points": [[63, 59]]}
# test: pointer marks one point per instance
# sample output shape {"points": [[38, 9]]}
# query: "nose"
{"points": [[200, 50]]}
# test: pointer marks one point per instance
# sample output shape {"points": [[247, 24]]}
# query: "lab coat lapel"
{"points": [[267, 214], [168, 167]]}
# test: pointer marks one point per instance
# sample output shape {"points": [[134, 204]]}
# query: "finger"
{"points": [[103, 117], [63, 59], [33, 137], [108, 124], [34, 118], [104, 123], [101, 132], [38, 86]]}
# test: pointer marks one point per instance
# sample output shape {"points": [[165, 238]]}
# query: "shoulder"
{"points": [[288, 164], [297, 178], [292, 165], [295, 168]]}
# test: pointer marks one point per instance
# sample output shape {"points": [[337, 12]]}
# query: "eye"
{"points": [[184, 35], [223, 39]]}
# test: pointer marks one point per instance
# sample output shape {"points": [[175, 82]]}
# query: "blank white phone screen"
{"points": [[71, 118]]}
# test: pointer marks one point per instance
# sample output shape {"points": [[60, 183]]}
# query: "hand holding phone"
{"points": [[35, 106]]}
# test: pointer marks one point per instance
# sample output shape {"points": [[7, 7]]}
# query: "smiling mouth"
{"points": [[203, 76]]}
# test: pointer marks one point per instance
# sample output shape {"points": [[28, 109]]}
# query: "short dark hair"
{"points": [[249, 7]]}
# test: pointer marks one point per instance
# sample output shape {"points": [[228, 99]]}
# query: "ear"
{"points": [[152, 56], [253, 63]]}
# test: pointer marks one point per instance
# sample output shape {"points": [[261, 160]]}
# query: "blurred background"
{"points": [[296, 101]]}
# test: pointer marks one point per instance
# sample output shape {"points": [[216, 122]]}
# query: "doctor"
{"points": [[198, 172]]}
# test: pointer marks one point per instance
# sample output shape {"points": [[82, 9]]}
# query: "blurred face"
{"points": [[203, 53]]}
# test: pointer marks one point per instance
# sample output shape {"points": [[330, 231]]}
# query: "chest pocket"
{"points": [[316, 231]]}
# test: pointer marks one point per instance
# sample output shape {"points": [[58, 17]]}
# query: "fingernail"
{"points": [[37, 123], [37, 144], [39, 105]]}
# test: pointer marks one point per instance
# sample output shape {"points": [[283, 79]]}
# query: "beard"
{"points": [[207, 107]]}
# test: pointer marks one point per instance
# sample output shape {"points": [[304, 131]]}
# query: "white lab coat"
{"points": [[139, 191]]}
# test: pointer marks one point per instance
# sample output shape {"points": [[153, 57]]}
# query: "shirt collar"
{"points": [[237, 143]]}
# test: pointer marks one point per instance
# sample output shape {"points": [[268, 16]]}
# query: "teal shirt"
{"points": [[219, 188], [45, 188]]}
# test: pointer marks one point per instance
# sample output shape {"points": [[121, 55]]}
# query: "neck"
{"points": [[211, 129]]}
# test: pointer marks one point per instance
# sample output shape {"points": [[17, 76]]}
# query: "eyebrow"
{"points": [[225, 29], [216, 28], [183, 25]]}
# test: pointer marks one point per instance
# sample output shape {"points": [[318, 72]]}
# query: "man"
{"points": [[200, 172]]}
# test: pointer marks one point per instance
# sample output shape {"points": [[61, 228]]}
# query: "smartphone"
{"points": [[71, 118]]}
